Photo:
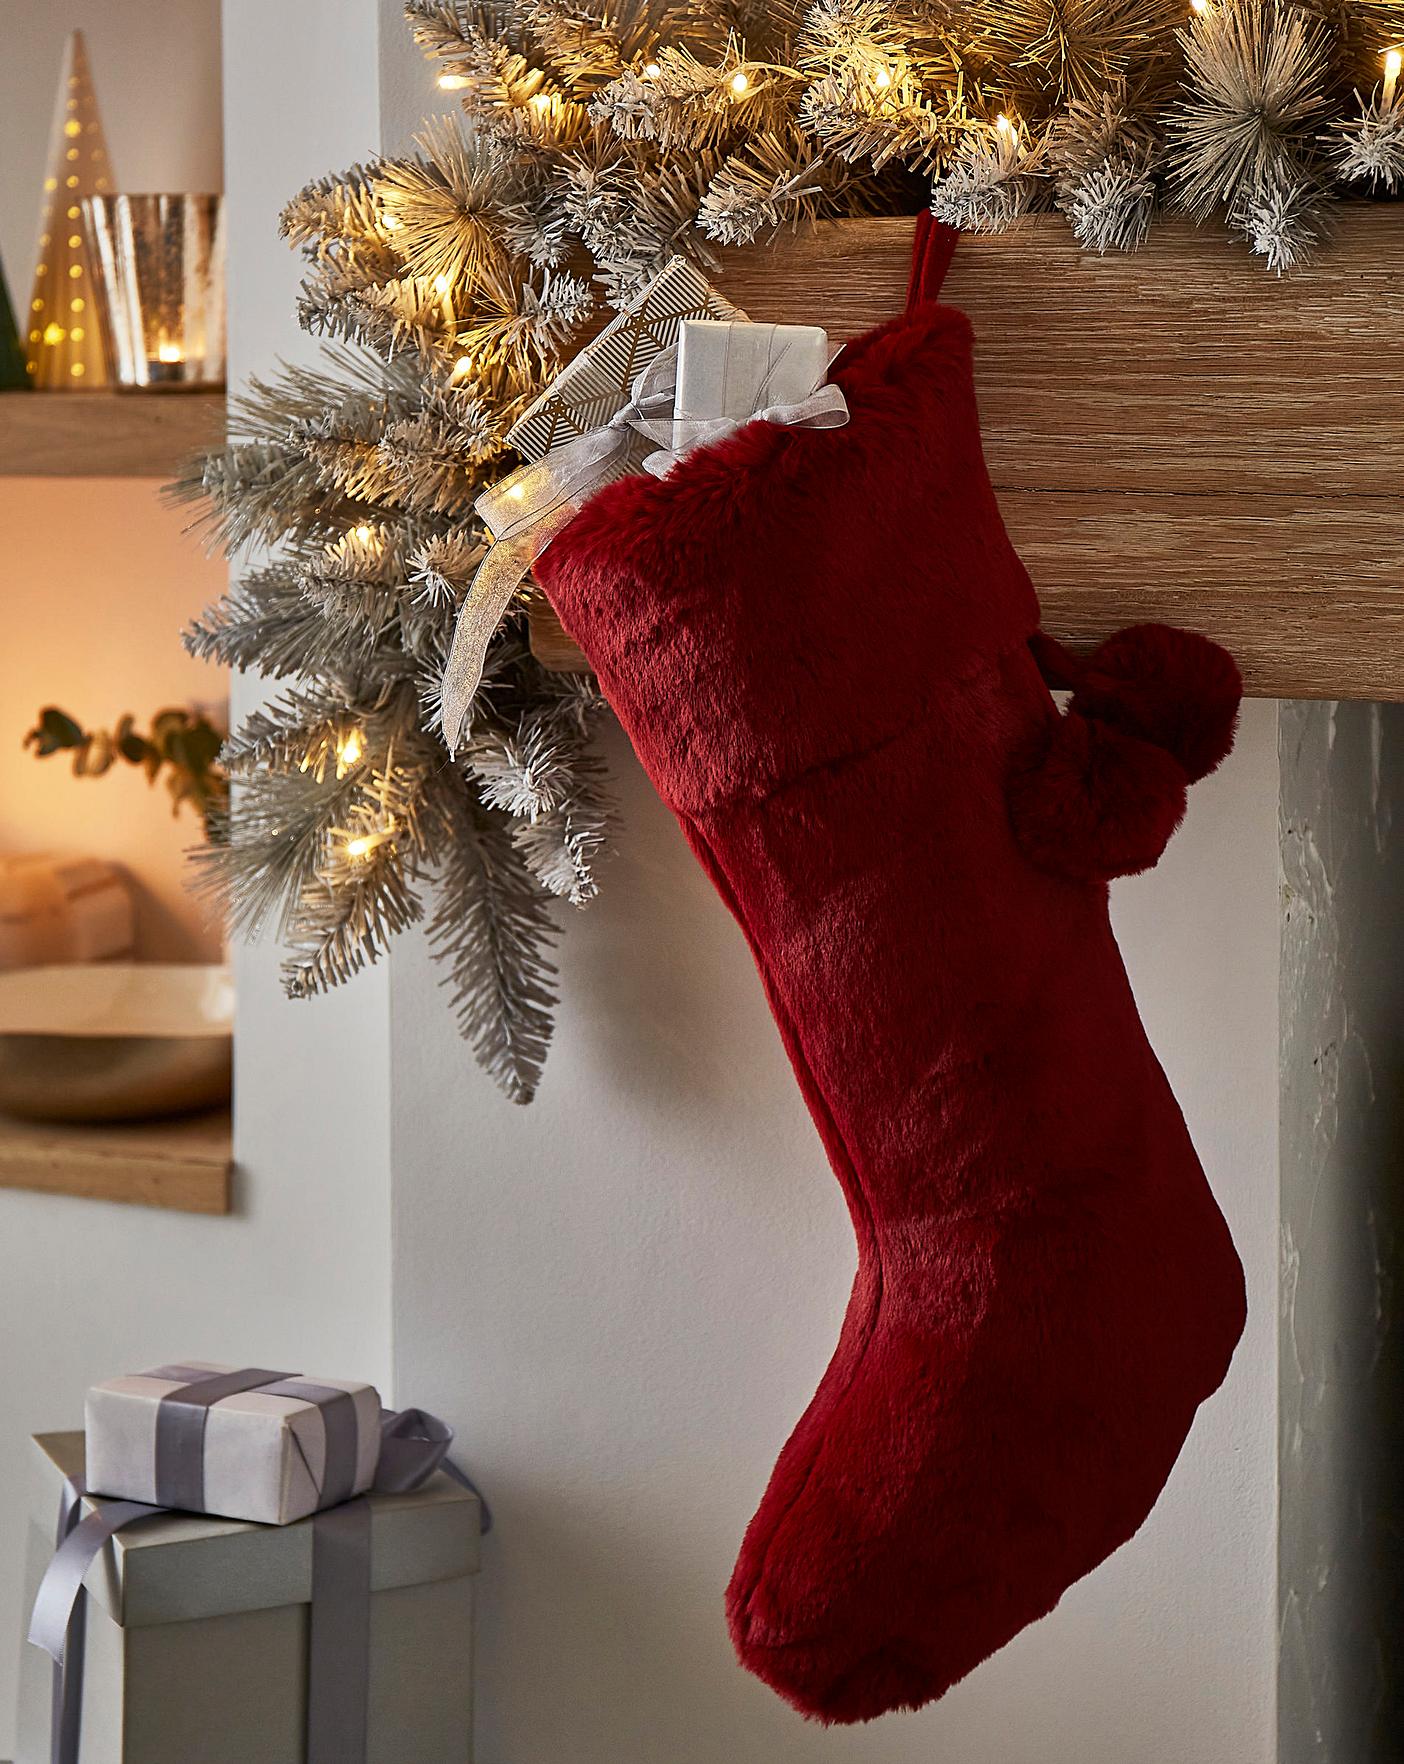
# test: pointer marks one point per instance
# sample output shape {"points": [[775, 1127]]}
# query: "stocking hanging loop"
{"points": [[932, 249]]}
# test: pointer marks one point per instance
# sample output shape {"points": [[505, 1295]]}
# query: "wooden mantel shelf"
{"points": [[105, 434], [1174, 434], [183, 1163]]}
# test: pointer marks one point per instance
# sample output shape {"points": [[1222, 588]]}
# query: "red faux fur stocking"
{"points": [[827, 657]]}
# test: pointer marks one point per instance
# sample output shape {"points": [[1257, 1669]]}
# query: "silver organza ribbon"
{"points": [[413, 1445], [529, 507]]}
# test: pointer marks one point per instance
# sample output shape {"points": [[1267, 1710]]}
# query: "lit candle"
{"points": [[167, 366], [1393, 61]]}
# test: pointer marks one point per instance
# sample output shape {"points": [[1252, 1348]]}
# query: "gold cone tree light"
{"points": [[63, 340]]}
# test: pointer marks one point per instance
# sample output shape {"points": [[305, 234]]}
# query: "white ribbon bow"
{"points": [[526, 510]]}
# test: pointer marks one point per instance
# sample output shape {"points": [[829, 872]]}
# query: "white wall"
{"points": [[624, 1295], [299, 1276]]}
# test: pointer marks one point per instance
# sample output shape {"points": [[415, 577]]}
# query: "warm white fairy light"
{"points": [[740, 84], [449, 82], [882, 79], [652, 70], [361, 846]]}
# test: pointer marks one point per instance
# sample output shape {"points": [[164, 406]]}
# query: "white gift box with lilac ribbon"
{"points": [[195, 1633], [254, 1522], [273, 1454]]}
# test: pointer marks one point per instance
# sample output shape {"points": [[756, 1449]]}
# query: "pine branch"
{"points": [[1060, 50], [438, 461], [992, 180], [1370, 147], [757, 190], [1106, 157], [1257, 76], [872, 114], [447, 207], [491, 930], [1282, 221]]}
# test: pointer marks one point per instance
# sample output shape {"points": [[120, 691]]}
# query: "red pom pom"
{"points": [[1097, 803], [1173, 688]]}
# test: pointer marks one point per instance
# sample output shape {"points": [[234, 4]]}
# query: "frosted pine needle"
{"points": [[1281, 223], [1370, 149], [1258, 76], [991, 181]]}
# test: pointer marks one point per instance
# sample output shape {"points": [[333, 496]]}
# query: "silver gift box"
{"points": [[196, 1632]]}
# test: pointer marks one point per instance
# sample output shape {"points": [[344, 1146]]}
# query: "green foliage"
{"points": [[181, 748]]}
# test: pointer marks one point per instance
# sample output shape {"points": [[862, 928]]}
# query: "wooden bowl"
{"points": [[114, 1041]]}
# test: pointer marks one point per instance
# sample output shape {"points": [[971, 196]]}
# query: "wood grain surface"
{"points": [[105, 434], [184, 1164], [1173, 434]]}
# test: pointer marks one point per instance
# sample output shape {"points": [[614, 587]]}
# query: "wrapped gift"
{"points": [[246, 1443], [196, 1640], [730, 370], [55, 909], [599, 382]]}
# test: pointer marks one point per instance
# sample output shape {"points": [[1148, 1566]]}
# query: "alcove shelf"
{"points": [[1173, 434], [105, 434], [183, 1163]]}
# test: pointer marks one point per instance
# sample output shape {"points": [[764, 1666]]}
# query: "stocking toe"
{"points": [[824, 1681]]}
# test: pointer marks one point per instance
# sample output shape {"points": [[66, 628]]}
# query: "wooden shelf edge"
{"points": [[183, 1164], [105, 434]]}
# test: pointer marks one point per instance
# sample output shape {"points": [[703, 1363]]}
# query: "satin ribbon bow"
{"points": [[529, 507], [526, 510], [413, 1445]]}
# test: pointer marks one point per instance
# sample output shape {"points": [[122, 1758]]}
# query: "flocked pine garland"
{"points": [[450, 288]]}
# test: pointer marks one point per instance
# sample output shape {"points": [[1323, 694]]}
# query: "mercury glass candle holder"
{"points": [[158, 272]]}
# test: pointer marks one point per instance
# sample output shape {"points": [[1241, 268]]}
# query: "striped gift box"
{"points": [[585, 395]]}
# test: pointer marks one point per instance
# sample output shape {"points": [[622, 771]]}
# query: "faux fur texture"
{"points": [[819, 644]]}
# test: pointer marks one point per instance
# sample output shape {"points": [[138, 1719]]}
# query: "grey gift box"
{"points": [[590, 389], [196, 1633]]}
